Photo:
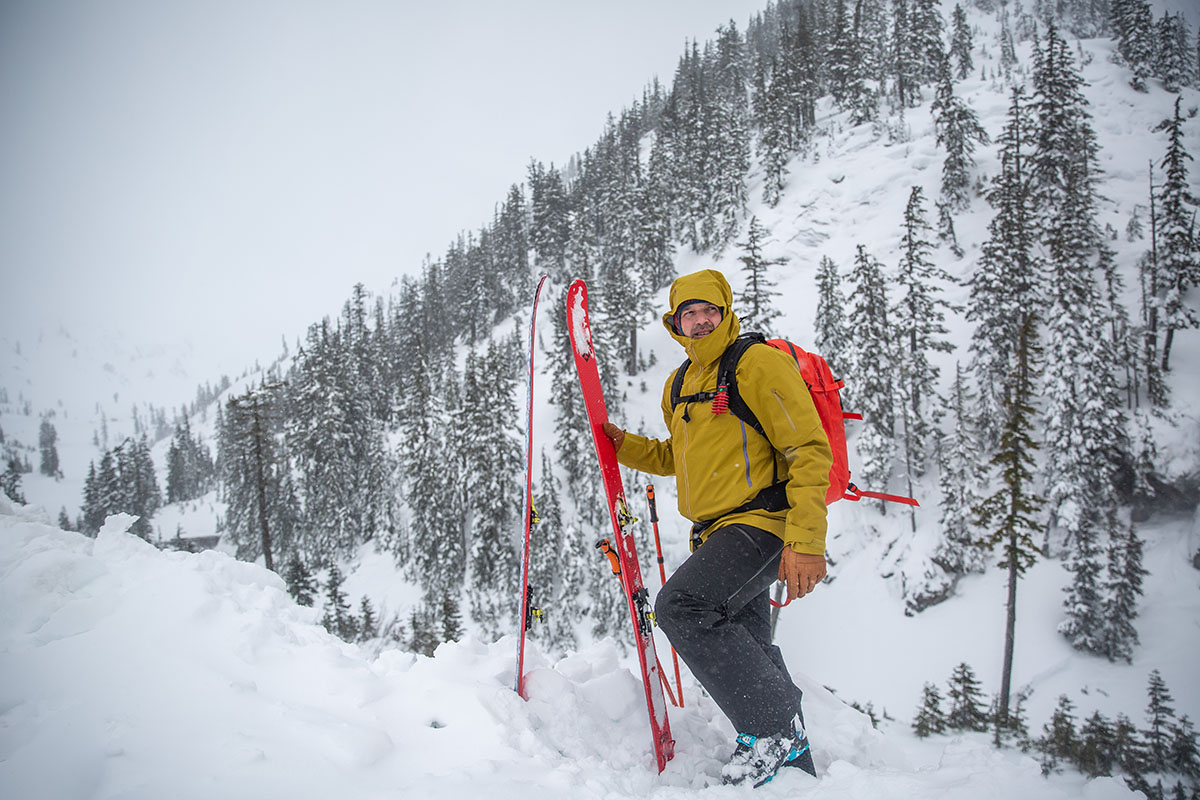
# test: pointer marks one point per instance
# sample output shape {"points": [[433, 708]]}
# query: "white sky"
{"points": [[223, 172]]}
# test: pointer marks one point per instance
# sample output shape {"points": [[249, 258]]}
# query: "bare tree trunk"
{"points": [[1010, 638]]}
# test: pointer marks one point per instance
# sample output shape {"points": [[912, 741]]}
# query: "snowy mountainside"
{"points": [[851, 190], [136, 673], [271, 703]]}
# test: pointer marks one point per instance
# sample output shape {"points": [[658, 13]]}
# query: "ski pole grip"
{"points": [[653, 505], [605, 547]]}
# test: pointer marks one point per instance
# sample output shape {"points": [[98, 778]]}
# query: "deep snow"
{"points": [[129, 672], [134, 673]]}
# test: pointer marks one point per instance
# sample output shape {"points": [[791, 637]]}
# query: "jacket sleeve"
{"points": [[776, 393], [653, 456]]}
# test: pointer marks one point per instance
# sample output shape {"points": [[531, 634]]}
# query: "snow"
{"points": [[581, 332], [132, 672]]}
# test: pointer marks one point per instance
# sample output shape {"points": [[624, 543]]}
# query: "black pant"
{"points": [[716, 611]]}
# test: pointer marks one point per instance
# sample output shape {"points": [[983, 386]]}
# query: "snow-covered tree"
{"points": [[831, 337], [48, 447], [873, 389], [1059, 741], [968, 712], [1008, 517], [1123, 585], [757, 310], [961, 43], [1179, 257], [1004, 286], [918, 324], [958, 130], [959, 480], [930, 718]]}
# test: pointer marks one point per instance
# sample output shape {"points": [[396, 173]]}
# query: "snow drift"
{"points": [[137, 673]]}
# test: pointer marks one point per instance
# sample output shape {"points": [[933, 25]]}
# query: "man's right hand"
{"points": [[615, 434]]}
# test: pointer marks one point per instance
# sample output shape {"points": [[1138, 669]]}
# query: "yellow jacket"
{"points": [[718, 462]]}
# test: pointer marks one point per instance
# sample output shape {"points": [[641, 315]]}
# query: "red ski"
{"points": [[630, 572], [528, 611]]}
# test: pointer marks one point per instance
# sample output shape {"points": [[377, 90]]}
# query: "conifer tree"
{"points": [[961, 43], [1152, 288], [1094, 754], [1123, 586], [1144, 465], [438, 555], [1173, 60], [757, 311], [549, 228], [190, 468], [1008, 517], [927, 33], [10, 482], [959, 479], [1008, 50], [338, 618], [967, 710], [905, 58], [1133, 24], [1125, 747], [847, 68], [730, 143], [48, 446], [1004, 287], [930, 719], [254, 471], [492, 457], [1185, 757], [831, 337], [452, 629], [1179, 262], [774, 125], [1160, 718], [874, 381], [1084, 626], [1059, 742], [957, 130], [918, 322], [368, 623], [423, 638], [301, 583]]}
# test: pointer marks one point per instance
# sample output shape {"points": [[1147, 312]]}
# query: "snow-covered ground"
{"points": [[135, 673]]}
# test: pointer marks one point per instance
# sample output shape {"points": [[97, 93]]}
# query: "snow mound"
{"points": [[137, 673]]}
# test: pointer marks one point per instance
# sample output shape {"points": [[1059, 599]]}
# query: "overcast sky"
{"points": [[222, 172]]}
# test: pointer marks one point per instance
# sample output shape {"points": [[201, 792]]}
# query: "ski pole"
{"points": [[662, 574]]}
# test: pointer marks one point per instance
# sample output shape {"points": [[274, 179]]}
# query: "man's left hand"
{"points": [[800, 571]]}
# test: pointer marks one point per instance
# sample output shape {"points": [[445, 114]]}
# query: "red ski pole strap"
{"points": [[856, 494]]}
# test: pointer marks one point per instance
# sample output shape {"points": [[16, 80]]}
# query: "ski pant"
{"points": [[716, 611]]}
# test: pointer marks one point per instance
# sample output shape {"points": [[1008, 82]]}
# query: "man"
{"points": [[715, 608]]}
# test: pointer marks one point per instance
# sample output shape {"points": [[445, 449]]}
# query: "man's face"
{"points": [[699, 320]]}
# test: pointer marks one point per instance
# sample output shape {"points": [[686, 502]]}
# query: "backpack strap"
{"points": [[728, 396], [677, 387]]}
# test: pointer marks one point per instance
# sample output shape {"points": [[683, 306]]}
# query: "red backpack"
{"points": [[822, 386]]}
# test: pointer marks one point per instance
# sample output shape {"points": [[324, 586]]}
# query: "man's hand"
{"points": [[800, 571], [615, 434]]}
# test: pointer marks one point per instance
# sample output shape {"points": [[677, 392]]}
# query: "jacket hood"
{"points": [[710, 286]]}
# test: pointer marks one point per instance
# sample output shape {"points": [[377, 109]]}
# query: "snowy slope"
{"points": [[128, 672], [135, 673]]}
